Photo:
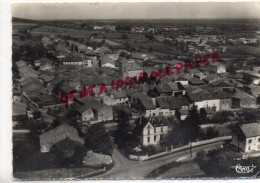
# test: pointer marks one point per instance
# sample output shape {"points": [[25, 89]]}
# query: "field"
{"points": [[184, 170], [56, 174], [79, 33]]}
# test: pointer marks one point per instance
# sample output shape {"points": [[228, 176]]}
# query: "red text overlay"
{"points": [[130, 81]]}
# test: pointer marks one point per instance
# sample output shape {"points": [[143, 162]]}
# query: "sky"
{"points": [[152, 10]]}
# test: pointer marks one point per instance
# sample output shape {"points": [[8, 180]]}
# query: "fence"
{"points": [[193, 144]]}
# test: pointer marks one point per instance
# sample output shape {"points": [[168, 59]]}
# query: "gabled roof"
{"points": [[172, 102], [146, 101], [133, 67], [90, 103], [196, 81], [120, 94], [181, 78], [222, 84], [58, 134], [142, 122], [45, 77], [206, 95], [27, 81], [211, 77], [169, 87], [251, 129], [159, 121], [20, 63], [19, 108], [242, 95], [33, 86]]}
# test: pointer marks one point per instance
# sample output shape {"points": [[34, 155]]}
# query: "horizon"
{"points": [[136, 11], [196, 19]]}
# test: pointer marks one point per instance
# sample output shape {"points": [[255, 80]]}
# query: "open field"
{"points": [[79, 33], [184, 170]]}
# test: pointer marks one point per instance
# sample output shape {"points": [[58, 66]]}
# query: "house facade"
{"points": [[247, 137], [153, 130]]}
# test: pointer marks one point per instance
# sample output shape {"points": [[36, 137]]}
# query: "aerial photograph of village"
{"points": [[127, 98]]}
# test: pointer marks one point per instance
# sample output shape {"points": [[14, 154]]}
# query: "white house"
{"points": [[152, 130], [216, 100], [247, 137]]}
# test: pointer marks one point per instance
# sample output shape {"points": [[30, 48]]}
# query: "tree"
{"points": [[121, 136], [35, 126], [98, 140], [149, 35], [177, 136], [192, 123], [232, 68], [55, 123], [258, 100], [217, 118], [249, 117], [37, 114], [247, 78], [124, 36], [72, 116]]}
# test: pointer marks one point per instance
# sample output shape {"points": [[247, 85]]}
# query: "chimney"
{"points": [[154, 102], [140, 120]]}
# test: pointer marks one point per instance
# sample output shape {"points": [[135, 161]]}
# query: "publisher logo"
{"points": [[244, 169]]}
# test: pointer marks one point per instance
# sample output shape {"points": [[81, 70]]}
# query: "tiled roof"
{"points": [[169, 87], [172, 102], [27, 81], [133, 67], [205, 95], [251, 129], [19, 108], [119, 94], [159, 121], [145, 100], [242, 95], [196, 81], [221, 84], [181, 78], [155, 122], [58, 134], [90, 103], [33, 86], [20, 63]]}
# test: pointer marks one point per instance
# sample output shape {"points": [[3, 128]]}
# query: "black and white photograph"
{"points": [[135, 91]]}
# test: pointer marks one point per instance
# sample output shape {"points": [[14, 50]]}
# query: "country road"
{"points": [[127, 169]]}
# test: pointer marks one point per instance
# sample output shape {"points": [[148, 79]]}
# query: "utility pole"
{"points": [[191, 149]]}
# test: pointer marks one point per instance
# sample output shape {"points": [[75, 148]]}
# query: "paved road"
{"points": [[127, 169]]}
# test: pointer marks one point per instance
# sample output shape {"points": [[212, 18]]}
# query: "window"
{"points": [[155, 130], [259, 139], [161, 137], [160, 113], [154, 138], [250, 141], [148, 139], [223, 101], [148, 132], [161, 129], [249, 147], [153, 114]]}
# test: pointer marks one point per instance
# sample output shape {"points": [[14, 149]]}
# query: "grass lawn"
{"points": [[27, 155], [59, 173], [177, 170]]}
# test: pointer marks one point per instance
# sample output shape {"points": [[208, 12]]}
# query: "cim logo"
{"points": [[244, 169]]}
